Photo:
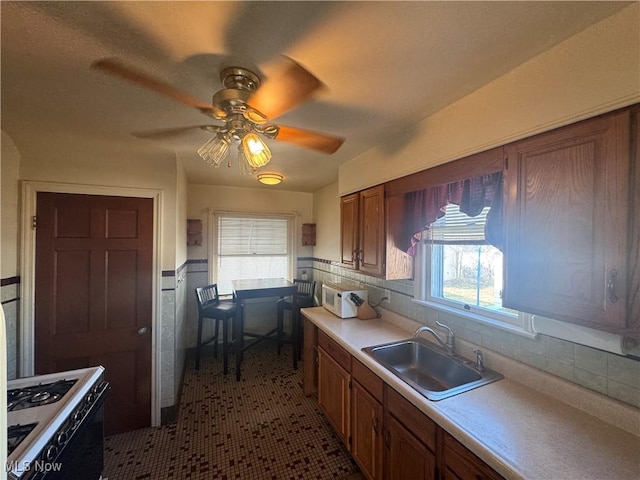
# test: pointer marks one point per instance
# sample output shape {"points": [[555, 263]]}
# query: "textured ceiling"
{"points": [[386, 66]]}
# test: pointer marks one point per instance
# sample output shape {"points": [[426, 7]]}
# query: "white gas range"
{"points": [[55, 425]]}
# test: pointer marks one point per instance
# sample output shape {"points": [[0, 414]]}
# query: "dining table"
{"points": [[260, 288]]}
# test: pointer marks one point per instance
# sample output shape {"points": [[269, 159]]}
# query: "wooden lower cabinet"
{"points": [[388, 436], [367, 420], [410, 440], [333, 394], [366, 431], [405, 456], [462, 464]]}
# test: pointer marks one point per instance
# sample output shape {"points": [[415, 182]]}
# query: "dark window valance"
{"points": [[423, 207]]}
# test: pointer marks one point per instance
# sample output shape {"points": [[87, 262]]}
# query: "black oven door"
{"points": [[83, 455]]}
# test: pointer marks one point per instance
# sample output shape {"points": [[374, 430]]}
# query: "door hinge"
{"points": [[349, 440], [34, 222], [349, 384], [506, 162]]}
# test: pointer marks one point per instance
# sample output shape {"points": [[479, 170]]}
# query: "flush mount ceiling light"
{"points": [[270, 178]]}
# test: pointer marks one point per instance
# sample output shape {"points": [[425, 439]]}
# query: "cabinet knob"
{"points": [[375, 425], [387, 439]]}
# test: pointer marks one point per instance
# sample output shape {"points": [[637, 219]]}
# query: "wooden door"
{"points": [[567, 223], [349, 231], [93, 296], [371, 237]]}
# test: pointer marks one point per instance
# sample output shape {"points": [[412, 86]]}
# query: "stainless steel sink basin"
{"points": [[429, 369]]}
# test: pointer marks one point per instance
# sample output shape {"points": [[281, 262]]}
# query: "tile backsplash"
{"points": [[615, 376]]}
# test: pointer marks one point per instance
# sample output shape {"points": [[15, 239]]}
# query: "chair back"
{"points": [[305, 291], [207, 296]]}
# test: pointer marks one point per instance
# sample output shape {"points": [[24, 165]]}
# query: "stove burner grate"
{"points": [[16, 434], [37, 395]]}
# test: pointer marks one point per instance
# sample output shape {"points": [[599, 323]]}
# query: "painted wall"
{"points": [[9, 250], [175, 322], [181, 213], [204, 199], [10, 163], [592, 72]]}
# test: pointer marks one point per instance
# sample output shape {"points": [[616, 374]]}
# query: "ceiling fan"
{"points": [[246, 106]]}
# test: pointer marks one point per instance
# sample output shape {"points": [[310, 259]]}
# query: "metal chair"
{"points": [[301, 299], [210, 306]]}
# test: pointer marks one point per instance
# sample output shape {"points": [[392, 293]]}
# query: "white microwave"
{"points": [[342, 299]]}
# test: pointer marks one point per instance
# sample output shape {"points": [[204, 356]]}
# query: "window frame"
{"points": [[292, 228], [521, 324]]}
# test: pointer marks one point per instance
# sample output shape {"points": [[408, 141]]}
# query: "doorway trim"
{"points": [[29, 193]]}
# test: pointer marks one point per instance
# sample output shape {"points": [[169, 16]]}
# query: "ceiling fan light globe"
{"points": [[243, 162], [256, 151], [215, 150]]}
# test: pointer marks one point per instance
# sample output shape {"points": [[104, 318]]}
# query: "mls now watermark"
{"points": [[36, 466]]}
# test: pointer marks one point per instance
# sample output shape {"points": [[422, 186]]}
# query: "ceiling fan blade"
{"points": [[280, 93], [115, 67], [168, 132], [308, 139]]}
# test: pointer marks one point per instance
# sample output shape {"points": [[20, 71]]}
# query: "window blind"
{"points": [[238, 235], [456, 227]]}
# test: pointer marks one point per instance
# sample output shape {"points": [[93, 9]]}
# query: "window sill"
{"points": [[490, 322]]}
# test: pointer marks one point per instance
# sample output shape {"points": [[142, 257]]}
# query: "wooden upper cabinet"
{"points": [[633, 302], [567, 216], [371, 237], [349, 230], [362, 230]]}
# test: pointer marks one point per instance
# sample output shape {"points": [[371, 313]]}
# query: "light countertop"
{"points": [[518, 430]]}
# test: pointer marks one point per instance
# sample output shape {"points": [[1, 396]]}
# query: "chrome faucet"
{"points": [[479, 360], [449, 344]]}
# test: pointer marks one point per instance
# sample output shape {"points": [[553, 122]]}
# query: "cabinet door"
{"points": [[406, 456], [462, 464], [371, 235], [333, 394], [566, 223], [634, 251], [349, 230], [310, 355], [366, 432]]}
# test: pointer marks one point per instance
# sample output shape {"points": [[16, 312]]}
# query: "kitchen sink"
{"points": [[429, 369]]}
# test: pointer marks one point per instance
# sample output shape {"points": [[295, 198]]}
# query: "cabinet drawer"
{"points": [[411, 417], [464, 463], [339, 354], [369, 380]]}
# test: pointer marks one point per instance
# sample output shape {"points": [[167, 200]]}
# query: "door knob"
{"points": [[142, 330]]}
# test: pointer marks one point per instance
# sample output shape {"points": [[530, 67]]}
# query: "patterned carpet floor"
{"points": [[262, 427]]}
